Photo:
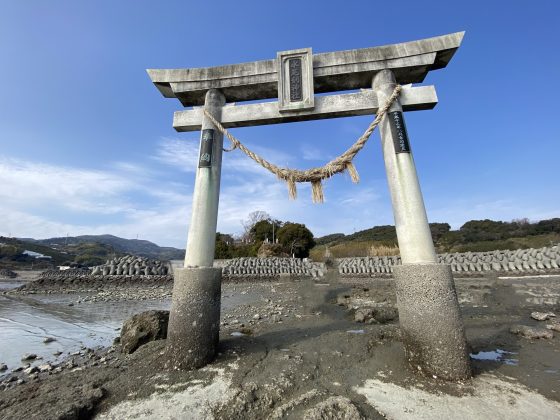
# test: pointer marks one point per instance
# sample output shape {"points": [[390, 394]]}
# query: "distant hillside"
{"points": [[120, 245], [12, 254], [474, 235]]}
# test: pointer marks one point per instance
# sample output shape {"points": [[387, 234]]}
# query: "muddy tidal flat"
{"points": [[293, 349]]}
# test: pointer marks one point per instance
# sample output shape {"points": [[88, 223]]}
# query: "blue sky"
{"points": [[87, 144]]}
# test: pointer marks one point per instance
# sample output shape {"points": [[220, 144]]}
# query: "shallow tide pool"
{"points": [[25, 321], [497, 355]]}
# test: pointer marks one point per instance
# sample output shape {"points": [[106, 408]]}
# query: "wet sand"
{"points": [[295, 351]]}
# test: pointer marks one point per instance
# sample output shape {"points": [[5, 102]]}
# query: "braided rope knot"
{"points": [[313, 175]]}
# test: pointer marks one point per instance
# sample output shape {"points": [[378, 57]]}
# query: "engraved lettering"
{"points": [[206, 146], [295, 77], [398, 130]]}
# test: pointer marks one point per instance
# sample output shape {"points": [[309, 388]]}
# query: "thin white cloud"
{"points": [[314, 154], [165, 226], [183, 154], [131, 169], [359, 197], [37, 200], [31, 184], [40, 200]]}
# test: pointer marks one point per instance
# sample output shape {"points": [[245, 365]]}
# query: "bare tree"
{"points": [[252, 219], [295, 243]]}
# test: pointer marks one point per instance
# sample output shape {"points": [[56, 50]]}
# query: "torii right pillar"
{"points": [[430, 319]]}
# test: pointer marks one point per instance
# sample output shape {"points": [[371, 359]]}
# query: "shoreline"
{"points": [[299, 346]]}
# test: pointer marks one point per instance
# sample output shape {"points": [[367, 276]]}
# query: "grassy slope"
{"points": [[345, 248]]}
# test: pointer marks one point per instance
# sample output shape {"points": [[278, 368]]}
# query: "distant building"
{"points": [[37, 255]]}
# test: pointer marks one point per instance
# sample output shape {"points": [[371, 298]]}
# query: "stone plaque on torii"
{"points": [[430, 319]]}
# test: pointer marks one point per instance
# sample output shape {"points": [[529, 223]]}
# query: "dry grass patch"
{"points": [[355, 249]]}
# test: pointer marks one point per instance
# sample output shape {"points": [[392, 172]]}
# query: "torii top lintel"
{"points": [[332, 71]]}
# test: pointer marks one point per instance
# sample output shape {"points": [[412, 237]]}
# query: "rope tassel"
{"points": [[317, 192], [292, 189], [353, 172]]}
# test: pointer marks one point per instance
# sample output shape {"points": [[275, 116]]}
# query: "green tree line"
{"points": [[285, 238], [474, 235]]}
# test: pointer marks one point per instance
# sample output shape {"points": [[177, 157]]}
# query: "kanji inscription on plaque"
{"points": [[398, 129], [294, 70], [295, 80]]}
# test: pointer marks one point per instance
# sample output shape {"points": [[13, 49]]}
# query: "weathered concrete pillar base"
{"points": [[430, 319], [194, 321]]}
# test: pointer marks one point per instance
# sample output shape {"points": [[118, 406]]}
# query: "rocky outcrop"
{"points": [[87, 282], [520, 260], [6, 273], [143, 328], [130, 265]]}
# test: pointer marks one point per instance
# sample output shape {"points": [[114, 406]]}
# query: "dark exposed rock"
{"points": [[378, 315], [61, 282], [143, 328], [28, 356], [4, 272]]}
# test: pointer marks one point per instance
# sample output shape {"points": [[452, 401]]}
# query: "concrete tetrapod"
{"points": [[430, 320], [194, 321]]}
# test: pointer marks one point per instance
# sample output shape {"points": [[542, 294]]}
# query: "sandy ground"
{"points": [[298, 353]]}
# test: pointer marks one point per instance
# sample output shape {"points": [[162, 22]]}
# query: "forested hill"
{"points": [[474, 235], [138, 247]]}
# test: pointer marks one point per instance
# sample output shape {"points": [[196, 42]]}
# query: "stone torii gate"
{"points": [[430, 319]]}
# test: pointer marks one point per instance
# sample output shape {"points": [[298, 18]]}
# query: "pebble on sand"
{"points": [[555, 326], [542, 316], [30, 370], [530, 332]]}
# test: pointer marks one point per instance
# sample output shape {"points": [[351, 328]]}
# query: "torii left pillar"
{"points": [[194, 320]]}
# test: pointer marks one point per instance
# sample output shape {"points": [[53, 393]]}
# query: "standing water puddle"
{"points": [[25, 321], [497, 355]]}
